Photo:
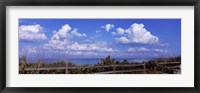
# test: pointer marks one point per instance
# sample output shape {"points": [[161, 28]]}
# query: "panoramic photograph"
{"points": [[99, 46]]}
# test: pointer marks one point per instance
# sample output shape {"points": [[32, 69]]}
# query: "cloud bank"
{"points": [[31, 32]]}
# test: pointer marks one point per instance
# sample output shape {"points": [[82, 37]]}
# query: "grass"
{"points": [[152, 66]]}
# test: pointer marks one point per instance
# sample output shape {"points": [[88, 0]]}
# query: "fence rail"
{"points": [[108, 72]]}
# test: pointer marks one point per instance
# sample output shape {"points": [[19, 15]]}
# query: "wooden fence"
{"points": [[114, 66]]}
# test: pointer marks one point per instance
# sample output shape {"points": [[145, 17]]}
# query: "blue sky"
{"points": [[97, 38]]}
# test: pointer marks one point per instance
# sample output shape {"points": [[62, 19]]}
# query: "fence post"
{"points": [[114, 68], [66, 70], [144, 68]]}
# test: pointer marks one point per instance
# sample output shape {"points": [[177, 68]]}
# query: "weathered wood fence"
{"points": [[114, 66]]}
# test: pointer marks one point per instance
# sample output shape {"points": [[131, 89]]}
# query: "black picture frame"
{"points": [[4, 3]]}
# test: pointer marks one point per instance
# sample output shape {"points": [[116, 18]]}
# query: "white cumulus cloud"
{"points": [[67, 32], [137, 34], [31, 32], [113, 33], [122, 40], [108, 27], [120, 31], [60, 38], [63, 32], [76, 33], [90, 47], [56, 44]]}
